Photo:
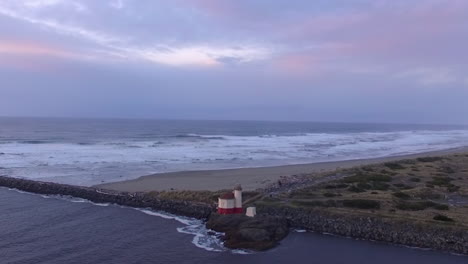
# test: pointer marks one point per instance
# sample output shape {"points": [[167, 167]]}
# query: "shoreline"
{"points": [[251, 178]]}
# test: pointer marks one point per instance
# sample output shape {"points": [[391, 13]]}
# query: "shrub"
{"points": [[453, 188], [427, 193], [381, 186], [355, 189], [419, 206], [403, 186], [336, 186], [440, 206], [444, 218], [440, 181], [363, 185], [367, 178], [361, 204], [429, 159], [415, 179], [401, 195], [367, 168], [328, 203], [393, 166], [447, 169]]}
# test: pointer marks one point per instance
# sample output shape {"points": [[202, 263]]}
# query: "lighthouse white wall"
{"points": [[226, 203], [238, 198]]}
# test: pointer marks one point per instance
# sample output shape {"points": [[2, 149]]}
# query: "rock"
{"points": [[195, 210], [257, 233]]}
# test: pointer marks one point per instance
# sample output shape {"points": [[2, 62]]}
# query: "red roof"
{"points": [[227, 196]]}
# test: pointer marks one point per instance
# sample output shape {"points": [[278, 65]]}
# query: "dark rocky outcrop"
{"points": [[256, 233], [140, 200]]}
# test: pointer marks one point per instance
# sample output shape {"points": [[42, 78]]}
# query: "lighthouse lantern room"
{"points": [[231, 202]]}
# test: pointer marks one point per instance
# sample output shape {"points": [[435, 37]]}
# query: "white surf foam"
{"points": [[203, 238], [89, 164]]}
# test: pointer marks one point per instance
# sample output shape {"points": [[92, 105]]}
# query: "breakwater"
{"points": [[443, 237], [140, 200], [447, 238]]}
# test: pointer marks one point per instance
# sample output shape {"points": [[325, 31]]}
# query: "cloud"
{"points": [[41, 3], [118, 47], [117, 4], [430, 76]]}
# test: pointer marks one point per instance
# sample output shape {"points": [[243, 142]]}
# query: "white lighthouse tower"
{"points": [[231, 202], [238, 198]]}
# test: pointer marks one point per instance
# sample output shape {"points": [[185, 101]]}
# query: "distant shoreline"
{"points": [[250, 178]]}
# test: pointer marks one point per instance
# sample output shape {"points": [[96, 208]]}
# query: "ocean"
{"points": [[51, 229], [93, 151]]}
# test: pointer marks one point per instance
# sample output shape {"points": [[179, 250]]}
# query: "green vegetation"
{"points": [[365, 178], [316, 203], [447, 169], [427, 193], [336, 186], [444, 218], [361, 204], [394, 166], [441, 181], [402, 186], [401, 195], [355, 189], [410, 189], [429, 159], [419, 206]]}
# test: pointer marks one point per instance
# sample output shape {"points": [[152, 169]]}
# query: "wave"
{"points": [[124, 159], [203, 238], [35, 142]]}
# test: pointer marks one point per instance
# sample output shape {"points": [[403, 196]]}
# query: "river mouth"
{"points": [[110, 234]]}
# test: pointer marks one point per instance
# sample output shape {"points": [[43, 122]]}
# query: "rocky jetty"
{"points": [[140, 200], [443, 237], [255, 233]]}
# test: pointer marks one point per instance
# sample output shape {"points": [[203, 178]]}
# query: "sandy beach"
{"points": [[250, 178]]}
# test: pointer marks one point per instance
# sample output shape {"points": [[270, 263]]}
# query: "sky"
{"points": [[399, 61]]}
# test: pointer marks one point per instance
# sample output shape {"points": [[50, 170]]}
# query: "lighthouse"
{"points": [[231, 202], [238, 199]]}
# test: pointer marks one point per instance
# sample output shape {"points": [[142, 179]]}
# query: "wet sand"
{"points": [[250, 178]]}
